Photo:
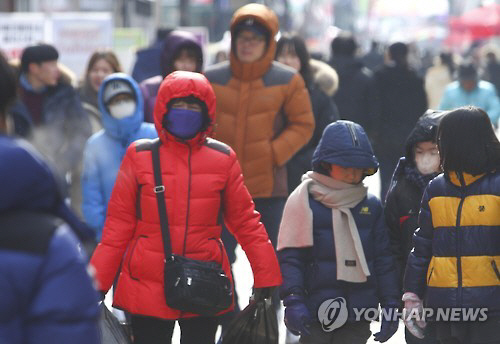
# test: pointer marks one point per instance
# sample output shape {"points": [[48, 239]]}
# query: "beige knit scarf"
{"points": [[296, 228]]}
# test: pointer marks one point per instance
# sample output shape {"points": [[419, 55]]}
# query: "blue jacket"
{"points": [[104, 152], [47, 295], [483, 96], [455, 259], [311, 271]]}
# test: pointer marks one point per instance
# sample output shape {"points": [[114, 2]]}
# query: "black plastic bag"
{"points": [[112, 332], [256, 324]]}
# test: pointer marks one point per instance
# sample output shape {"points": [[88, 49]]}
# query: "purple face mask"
{"points": [[183, 123]]}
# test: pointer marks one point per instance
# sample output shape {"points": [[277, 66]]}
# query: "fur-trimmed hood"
{"points": [[324, 76], [66, 75]]}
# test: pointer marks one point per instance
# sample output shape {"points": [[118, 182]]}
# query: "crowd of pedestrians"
{"points": [[267, 149]]}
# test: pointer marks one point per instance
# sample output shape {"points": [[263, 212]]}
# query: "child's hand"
{"points": [[413, 306], [297, 317]]}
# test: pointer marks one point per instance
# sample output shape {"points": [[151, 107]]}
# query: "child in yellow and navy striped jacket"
{"points": [[456, 252]]}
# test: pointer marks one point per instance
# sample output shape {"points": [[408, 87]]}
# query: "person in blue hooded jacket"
{"points": [[333, 244], [47, 295], [121, 105]]}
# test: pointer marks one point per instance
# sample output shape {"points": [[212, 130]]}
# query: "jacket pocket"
{"points": [[132, 251], [495, 268]]}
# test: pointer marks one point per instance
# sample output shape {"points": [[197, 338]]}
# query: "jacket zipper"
{"points": [[459, 238], [430, 275], [181, 315], [138, 212], [188, 202], [354, 137], [495, 268], [132, 251]]}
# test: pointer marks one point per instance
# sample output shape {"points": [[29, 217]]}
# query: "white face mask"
{"points": [[427, 163], [122, 109]]}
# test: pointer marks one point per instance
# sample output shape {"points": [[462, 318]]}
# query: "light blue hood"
{"points": [[121, 129]]}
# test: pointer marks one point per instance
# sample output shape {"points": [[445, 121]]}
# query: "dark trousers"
{"points": [[485, 332], [429, 333], [350, 333], [199, 330]]}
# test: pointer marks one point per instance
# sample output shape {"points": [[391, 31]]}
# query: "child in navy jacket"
{"points": [[333, 245]]}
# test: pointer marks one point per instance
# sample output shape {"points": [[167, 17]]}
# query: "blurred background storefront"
{"points": [[127, 25]]}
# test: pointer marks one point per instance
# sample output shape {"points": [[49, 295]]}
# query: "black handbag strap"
{"points": [[159, 191]]}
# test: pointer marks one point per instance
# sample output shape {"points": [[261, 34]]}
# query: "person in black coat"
{"points": [[413, 172], [356, 96], [321, 81], [401, 100]]}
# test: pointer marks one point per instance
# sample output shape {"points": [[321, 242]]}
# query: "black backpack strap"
{"points": [[159, 190]]}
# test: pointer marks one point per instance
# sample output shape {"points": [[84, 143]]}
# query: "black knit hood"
{"points": [[424, 130]]}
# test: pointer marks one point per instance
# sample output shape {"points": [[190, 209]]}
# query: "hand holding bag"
{"points": [[191, 285], [256, 324]]}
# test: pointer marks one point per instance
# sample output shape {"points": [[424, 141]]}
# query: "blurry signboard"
{"points": [[126, 41], [77, 36], [19, 30]]}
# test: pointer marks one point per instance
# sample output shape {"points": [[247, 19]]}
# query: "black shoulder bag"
{"points": [[192, 286]]}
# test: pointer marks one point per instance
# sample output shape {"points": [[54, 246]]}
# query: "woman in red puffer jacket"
{"points": [[203, 180]]}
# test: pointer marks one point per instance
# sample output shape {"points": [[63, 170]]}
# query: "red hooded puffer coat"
{"points": [[202, 178]]}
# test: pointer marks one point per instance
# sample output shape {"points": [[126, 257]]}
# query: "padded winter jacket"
{"points": [[311, 271], [47, 295], [203, 186], [455, 261], [104, 152], [64, 127], [405, 194], [263, 111], [483, 96]]}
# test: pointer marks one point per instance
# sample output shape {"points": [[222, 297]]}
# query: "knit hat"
{"points": [[116, 87], [37, 54], [253, 25]]}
